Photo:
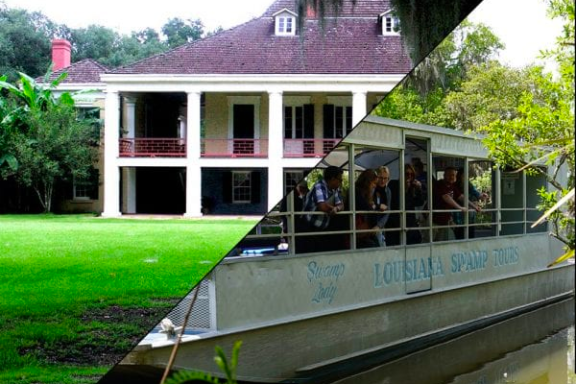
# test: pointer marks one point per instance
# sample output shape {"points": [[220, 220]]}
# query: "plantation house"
{"points": [[227, 124]]}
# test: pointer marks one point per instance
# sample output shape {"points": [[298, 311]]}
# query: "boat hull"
{"points": [[385, 331]]}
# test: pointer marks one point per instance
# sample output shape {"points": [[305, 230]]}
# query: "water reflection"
{"points": [[535, 348]]}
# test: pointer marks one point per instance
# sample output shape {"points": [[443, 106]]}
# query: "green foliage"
{"points": [[72, 265], [46, 138], [563, 53], [24, 42], [228, 368], [179, 32], [94, 42], [450, 71], [490, 92], [181, 377]]}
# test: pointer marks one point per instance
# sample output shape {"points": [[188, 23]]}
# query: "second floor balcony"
{"points": [[224, 148], [152, 147], [298, 148]]}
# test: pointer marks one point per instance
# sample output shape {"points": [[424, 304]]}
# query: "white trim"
{"points": [[249, 173], [207, 162], [282, 19], [252, 83], [384, 17], [75, 186], [284, 10]]}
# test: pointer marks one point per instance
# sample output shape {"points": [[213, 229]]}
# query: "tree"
{"points": [[94, 42], [544, 130], [47, 139], [24, 42], [179, 32], [7, 158], [491, 91], [470, 44], [421, 97]]}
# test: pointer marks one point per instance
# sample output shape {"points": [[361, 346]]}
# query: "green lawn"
{"points": [[76, 292]]}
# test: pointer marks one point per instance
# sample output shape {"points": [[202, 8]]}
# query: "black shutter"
{"points": [[287, 122], [309, 121], [348, 120], [227, 186], [255, 178], [328, 121], [94, 183]]}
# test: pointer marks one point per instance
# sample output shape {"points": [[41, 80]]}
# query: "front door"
{"points": [[243, 129]]}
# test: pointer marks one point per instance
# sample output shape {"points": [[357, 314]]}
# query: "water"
{"points": [[534, 348]]}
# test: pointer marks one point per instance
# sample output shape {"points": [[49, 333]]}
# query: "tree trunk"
{"points": [[46, 197]]}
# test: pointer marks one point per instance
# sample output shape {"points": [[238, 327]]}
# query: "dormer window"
{"points": [[285, 23], [390, 24]]}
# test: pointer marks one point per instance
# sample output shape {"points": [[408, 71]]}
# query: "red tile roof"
{"points": [[83, 71], [349, 44]]}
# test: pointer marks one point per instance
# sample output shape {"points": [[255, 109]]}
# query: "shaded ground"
{"points": [[108, 334]]}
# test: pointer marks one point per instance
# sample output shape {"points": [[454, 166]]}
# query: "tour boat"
{"points": [[302, 314]]}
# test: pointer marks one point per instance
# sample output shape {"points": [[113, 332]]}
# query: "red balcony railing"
{"points": [[308, 147], [234, 148], [152, 147]]}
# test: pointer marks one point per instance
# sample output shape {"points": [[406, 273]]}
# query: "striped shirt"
{"points": [[320, 193]]}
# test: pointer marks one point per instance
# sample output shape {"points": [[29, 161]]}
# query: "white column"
{"points": [[275, 149], [111, 150], [193, 171], [358, 107], [130, 117], [130, 189], [130, 173]]}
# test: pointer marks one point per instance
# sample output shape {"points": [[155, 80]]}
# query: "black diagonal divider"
{"points": [[434, 19]]}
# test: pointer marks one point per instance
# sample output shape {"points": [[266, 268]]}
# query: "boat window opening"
{"points": [[481, 187], [512, 209], [416, 190], [450, 201], [377, 202], [534, 182], [507, 202]]}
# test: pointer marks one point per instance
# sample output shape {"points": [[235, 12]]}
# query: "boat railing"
{"points": [[285, 229]]}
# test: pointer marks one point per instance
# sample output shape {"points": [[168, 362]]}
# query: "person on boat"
{"points": [[447, 196], [323, 197], [393, 223], [415, 198], [300, 192], [474, 196], [382, 200], [365, 186], [421, 175]]}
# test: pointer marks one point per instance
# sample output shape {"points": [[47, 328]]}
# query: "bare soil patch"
{"points": [[112, 332]]}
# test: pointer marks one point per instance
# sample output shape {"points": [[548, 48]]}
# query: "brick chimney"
{"points": [[310, 12], [60, 54]]}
